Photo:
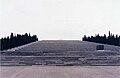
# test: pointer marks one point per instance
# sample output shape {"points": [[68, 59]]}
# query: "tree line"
{"points": [[17, 40], [111, 39]]}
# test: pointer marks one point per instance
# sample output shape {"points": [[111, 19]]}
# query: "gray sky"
{"points": [[59, 19]]}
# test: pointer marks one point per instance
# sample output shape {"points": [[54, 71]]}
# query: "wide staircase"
{"points": [[62, 53]]}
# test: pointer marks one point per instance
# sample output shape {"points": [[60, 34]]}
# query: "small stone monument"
{"points": [[100, 47]]}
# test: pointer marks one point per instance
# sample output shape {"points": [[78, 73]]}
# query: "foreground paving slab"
{"points": [[60, 72]]}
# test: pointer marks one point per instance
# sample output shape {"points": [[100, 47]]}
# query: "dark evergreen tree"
{"points": [[111, 39], [15, 41]]}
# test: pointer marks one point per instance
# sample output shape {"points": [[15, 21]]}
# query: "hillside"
{"points": [[65, 45]]}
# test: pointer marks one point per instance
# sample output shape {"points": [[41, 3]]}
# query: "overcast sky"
{"points": [[59, 19]]}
